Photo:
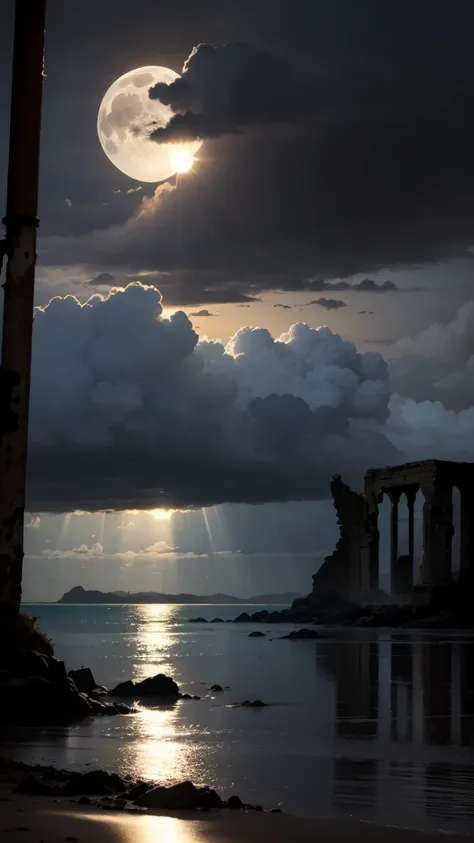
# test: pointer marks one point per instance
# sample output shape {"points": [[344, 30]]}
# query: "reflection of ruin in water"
{"points": [[403, 688], [400, 690]]}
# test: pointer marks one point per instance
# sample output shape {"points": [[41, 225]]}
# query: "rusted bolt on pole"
{"points": [[19, 247]]}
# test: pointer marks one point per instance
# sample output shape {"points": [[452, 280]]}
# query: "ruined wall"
{"points": [[340, 572]]}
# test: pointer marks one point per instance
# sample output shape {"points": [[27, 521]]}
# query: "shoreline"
{"points": [[31, 819]]}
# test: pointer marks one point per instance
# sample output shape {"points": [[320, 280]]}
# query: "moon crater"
{"points": [[126, 117]]}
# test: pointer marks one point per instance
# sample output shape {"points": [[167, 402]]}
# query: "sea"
{"points": [[376, 725]]}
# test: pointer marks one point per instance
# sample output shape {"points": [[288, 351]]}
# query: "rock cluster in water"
{"points": [[159, 686], [110, 791], [334, 611], [36, 689]]}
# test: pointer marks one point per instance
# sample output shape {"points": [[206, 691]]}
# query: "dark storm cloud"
{"points": [[367, 285], [377, 172], [329, 304], [135, 413], [226, 88], [104, 279]]}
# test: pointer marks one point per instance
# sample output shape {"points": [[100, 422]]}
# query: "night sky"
{"points": [[302, 301]]}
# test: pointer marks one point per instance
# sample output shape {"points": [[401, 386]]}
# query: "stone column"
{"points": [[369, 551], [394, 496], [436, 579], [466, 566], [410, 495]]}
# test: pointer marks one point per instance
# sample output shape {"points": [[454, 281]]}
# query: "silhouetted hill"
{"points": [[78, 594]]}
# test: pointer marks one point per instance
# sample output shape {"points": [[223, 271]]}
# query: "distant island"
{"points": [[78, 594]]}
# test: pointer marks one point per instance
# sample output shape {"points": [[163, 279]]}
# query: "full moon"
{"points": [[126, 117]]}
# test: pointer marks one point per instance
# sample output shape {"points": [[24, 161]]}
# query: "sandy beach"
{"points": [[40, 820]]}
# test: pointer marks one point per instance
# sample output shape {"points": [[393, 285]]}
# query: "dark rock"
{"points": [[121, 708], [243, 618], [254, 704], [215, 688], [195, 697], [124, 689], [209, 799], [302, 635], [197, 620], [33, 786], [95, 783], [30, 663], [276, 811], [185, 696], [260, 616], [259, 808], [155, 686], [183, 796], [158, 686], [217, 620], [257, 634], [83, 679], [84, 800], [137, 790], [276, 617], [235, 803]]}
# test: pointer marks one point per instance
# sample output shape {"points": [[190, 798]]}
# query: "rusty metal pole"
{"points": [[20, 249]]}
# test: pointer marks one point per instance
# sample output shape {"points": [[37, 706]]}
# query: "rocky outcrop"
{"points": [[339, 573], [36, 690]]}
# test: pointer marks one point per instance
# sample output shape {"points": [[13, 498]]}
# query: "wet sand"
{"points": [[40, 820]]}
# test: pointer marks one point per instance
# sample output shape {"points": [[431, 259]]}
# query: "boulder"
{"points": [[30, 663], [155, 686], [84, 680], [235, 803], [216, 688], [137, 790], [243, 618], [260, 616], [302, 635], [124, 689], [257, 634], [217, 620], [179, 797], [276, 617], [253, 704]]}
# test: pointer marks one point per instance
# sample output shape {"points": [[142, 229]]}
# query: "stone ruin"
{"points": [[352, 571]]}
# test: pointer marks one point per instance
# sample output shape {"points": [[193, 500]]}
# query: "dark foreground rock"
{"points": [[113, 792], [302, 635], [250, 704], [180, 797], [257, 634], [35, 690]]}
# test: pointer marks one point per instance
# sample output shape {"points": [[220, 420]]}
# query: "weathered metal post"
{"points": [[19, 247]]}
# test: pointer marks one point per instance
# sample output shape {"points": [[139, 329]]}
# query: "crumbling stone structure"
{"points": [[343, 573], [353, 569]]}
